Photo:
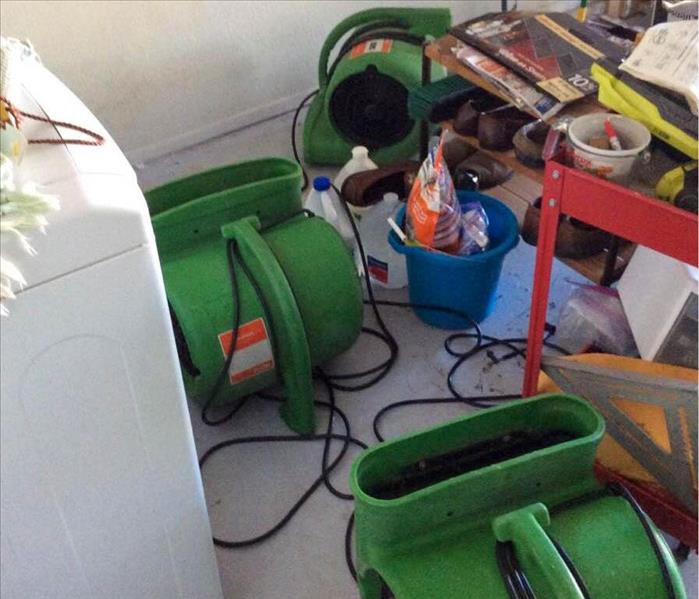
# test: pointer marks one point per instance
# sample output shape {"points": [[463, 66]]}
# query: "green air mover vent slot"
{"points": [[432, 470], [371, 109]]}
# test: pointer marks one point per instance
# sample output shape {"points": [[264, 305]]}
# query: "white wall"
{"points": [[162, 75]]}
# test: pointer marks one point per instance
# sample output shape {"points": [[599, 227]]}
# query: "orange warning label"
{"points": [[253, 351], [383, 46]]}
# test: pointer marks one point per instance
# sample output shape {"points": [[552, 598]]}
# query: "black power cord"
{"points": [[515, 579], [348, 547], [342, 382], [575, 573], [223, 375], [337, 382], [323, 479], [516, 582], [622, 491], [327, 465], [294, 149]]}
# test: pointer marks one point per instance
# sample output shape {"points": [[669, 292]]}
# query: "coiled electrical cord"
{"points": [[340, 382], [326, 470], [518, 586], [327, 465], [333, 382], [515, 579]]}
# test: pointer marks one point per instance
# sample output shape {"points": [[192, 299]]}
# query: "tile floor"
{"points": [[250, 487]]}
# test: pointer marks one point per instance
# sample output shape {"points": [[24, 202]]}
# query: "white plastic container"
{"points": [[386, 266], [359, 162], [323, 202], [614, 165], [659, 295]]}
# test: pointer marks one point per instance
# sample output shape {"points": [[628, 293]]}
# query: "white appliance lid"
{"points": [[103, 212]]}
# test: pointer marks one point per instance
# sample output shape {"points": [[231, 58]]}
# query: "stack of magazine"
{"points": [[540, 60], [524, 95]]}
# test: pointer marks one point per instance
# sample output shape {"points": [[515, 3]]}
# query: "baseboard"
{"points": [[216, 129]]}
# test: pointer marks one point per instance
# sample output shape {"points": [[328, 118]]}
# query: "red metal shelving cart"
{"points": [[630, 215]]}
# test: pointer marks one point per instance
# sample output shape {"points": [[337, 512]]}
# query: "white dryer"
{"points": [[101, 494]]}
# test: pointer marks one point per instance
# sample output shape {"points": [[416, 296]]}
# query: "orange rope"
{"points": [[97, 139]]}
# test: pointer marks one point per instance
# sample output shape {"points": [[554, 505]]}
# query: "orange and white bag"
{"points": [[433, 213]]}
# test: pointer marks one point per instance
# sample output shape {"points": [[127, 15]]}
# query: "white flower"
{"points": [[20, 211]]}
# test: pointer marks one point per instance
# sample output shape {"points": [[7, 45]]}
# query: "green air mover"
{"points": [[300, 300], [503, 503], [363, 97]]}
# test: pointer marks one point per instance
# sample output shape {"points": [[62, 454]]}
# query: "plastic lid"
{"points": [[321, 183], [391, 197], [359, 152]]}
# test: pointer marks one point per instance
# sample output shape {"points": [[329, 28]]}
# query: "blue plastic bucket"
{"points": [[464, 283]]}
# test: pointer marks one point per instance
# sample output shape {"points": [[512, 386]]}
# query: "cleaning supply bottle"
{"points": [[323, 202], [386, 266], [359, 162]]}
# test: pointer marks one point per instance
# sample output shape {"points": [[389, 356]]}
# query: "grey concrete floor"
{"points": [[250, 487]]}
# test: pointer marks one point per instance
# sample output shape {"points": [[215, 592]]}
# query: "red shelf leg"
{"points": [[545, 246]]}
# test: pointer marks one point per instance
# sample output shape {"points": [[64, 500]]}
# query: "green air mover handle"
{"points": [[525, 528], [418, 20], [292, 353]]}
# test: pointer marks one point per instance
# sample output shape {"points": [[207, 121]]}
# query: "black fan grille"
{"points": [[371, 109]]}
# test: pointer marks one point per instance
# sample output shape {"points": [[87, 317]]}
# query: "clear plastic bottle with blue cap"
{"points": [[323, 202]]}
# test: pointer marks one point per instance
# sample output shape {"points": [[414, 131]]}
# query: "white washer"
{"points": [[101, 492]]}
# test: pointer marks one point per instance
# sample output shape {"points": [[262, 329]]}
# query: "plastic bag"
{"points": [[433, 214], [594, 317], [434, 217], [475, 233]]}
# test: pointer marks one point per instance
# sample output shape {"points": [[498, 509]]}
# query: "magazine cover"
{"points": [[553, 50], [523, 93]]}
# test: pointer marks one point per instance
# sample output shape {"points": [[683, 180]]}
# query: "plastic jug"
{"points": [[386, 266], [359, 162], [324, 203]]}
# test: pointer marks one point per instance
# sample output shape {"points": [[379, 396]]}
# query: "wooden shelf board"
{"points": [[592, 268], [507, 157], [526, 184]]}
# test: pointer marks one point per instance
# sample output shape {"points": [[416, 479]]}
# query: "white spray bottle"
{"points": [[324, 203], [359, 162]]}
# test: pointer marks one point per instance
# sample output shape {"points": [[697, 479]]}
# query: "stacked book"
{"points": [[540, 60]]}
